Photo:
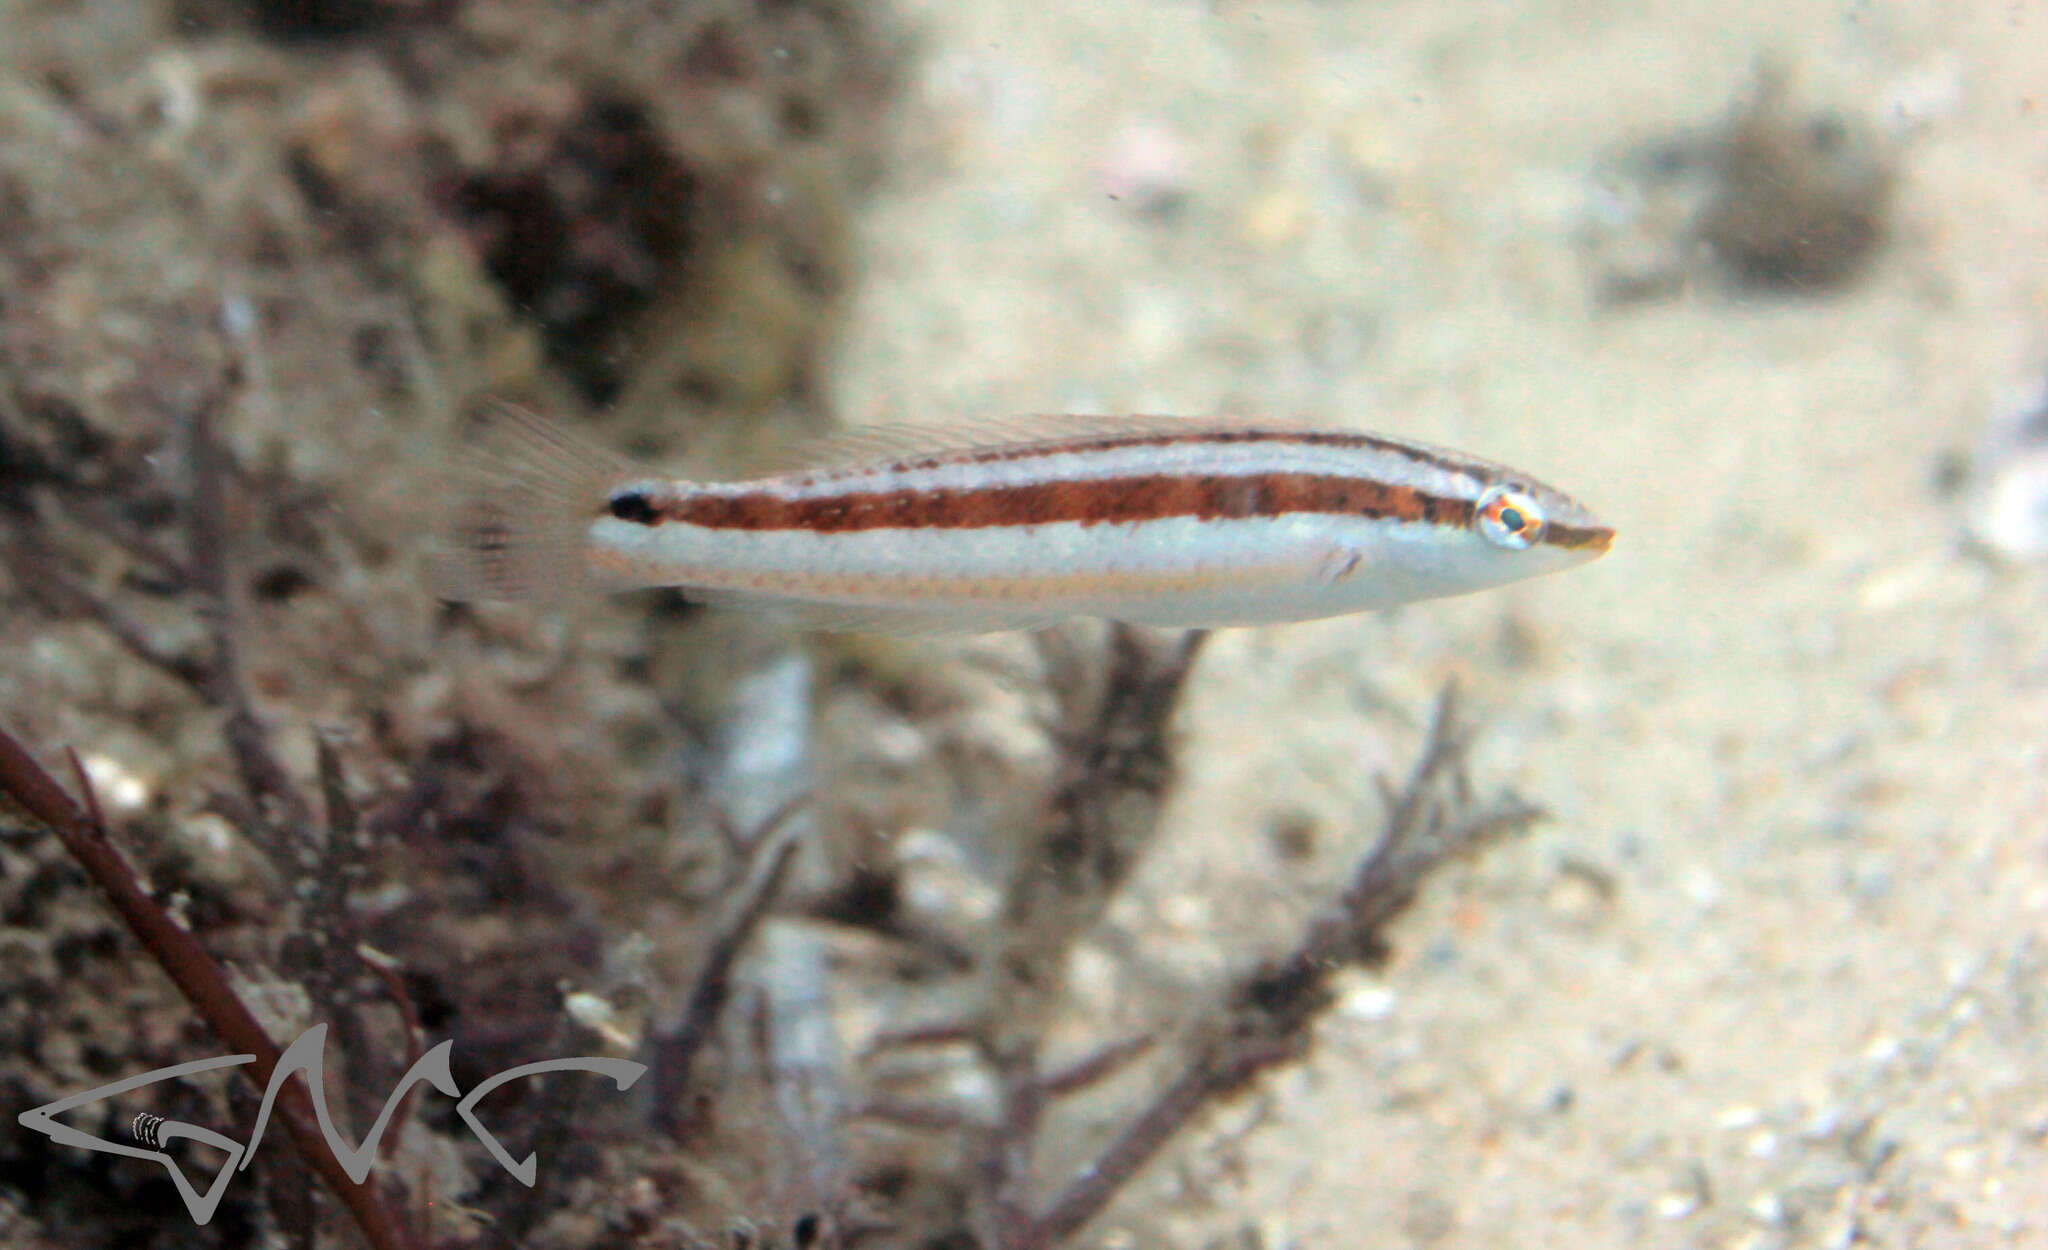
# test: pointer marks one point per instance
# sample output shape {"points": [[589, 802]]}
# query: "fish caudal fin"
{"points": [[525, 491]]}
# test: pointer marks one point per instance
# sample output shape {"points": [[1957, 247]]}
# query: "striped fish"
{"points": [[1151, 520]]}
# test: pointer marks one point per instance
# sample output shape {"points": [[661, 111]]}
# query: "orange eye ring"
{"points": [[1509, 517]]}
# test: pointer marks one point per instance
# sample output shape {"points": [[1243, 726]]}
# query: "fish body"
{"points": [[1150, 520]]}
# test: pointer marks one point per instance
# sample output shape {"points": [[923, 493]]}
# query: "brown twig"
{"points": [[1267, 1018], [65, 597], [949, 1034], [1103, 812], [1213, 1073], [675, 1052], [322, 955], [1421, 833], [197, 977], [383, 967], [1099, 1066], [929, 1116], [263, 774], [109, 523], [209, 570]]}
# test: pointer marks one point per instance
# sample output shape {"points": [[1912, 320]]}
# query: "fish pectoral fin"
{"points": [[1335, 563]]}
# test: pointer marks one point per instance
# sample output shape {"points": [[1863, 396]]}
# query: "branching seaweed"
{"points": [[327, 857], [1103, 811], [1071, 870], [1266, 1018], [198, 977], [768, 857]]}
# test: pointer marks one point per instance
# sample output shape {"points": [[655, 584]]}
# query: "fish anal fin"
{"points": [[899, 620]]}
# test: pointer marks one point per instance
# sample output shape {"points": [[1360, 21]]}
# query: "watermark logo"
{"points": [[306, 1054]]}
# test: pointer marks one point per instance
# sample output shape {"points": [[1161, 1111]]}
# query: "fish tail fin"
{"points": [[525, 491]]}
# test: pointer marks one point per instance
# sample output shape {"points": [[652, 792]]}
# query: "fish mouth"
{"points": [[1594, 540]]}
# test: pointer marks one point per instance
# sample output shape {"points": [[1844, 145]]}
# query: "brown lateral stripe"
{"points": [[1090, 502]]}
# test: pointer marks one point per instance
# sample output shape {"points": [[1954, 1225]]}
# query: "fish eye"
{"points": [[1509, 517], [633, 506]]}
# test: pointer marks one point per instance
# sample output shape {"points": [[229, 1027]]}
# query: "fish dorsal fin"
{"points": [[888, 441]]}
